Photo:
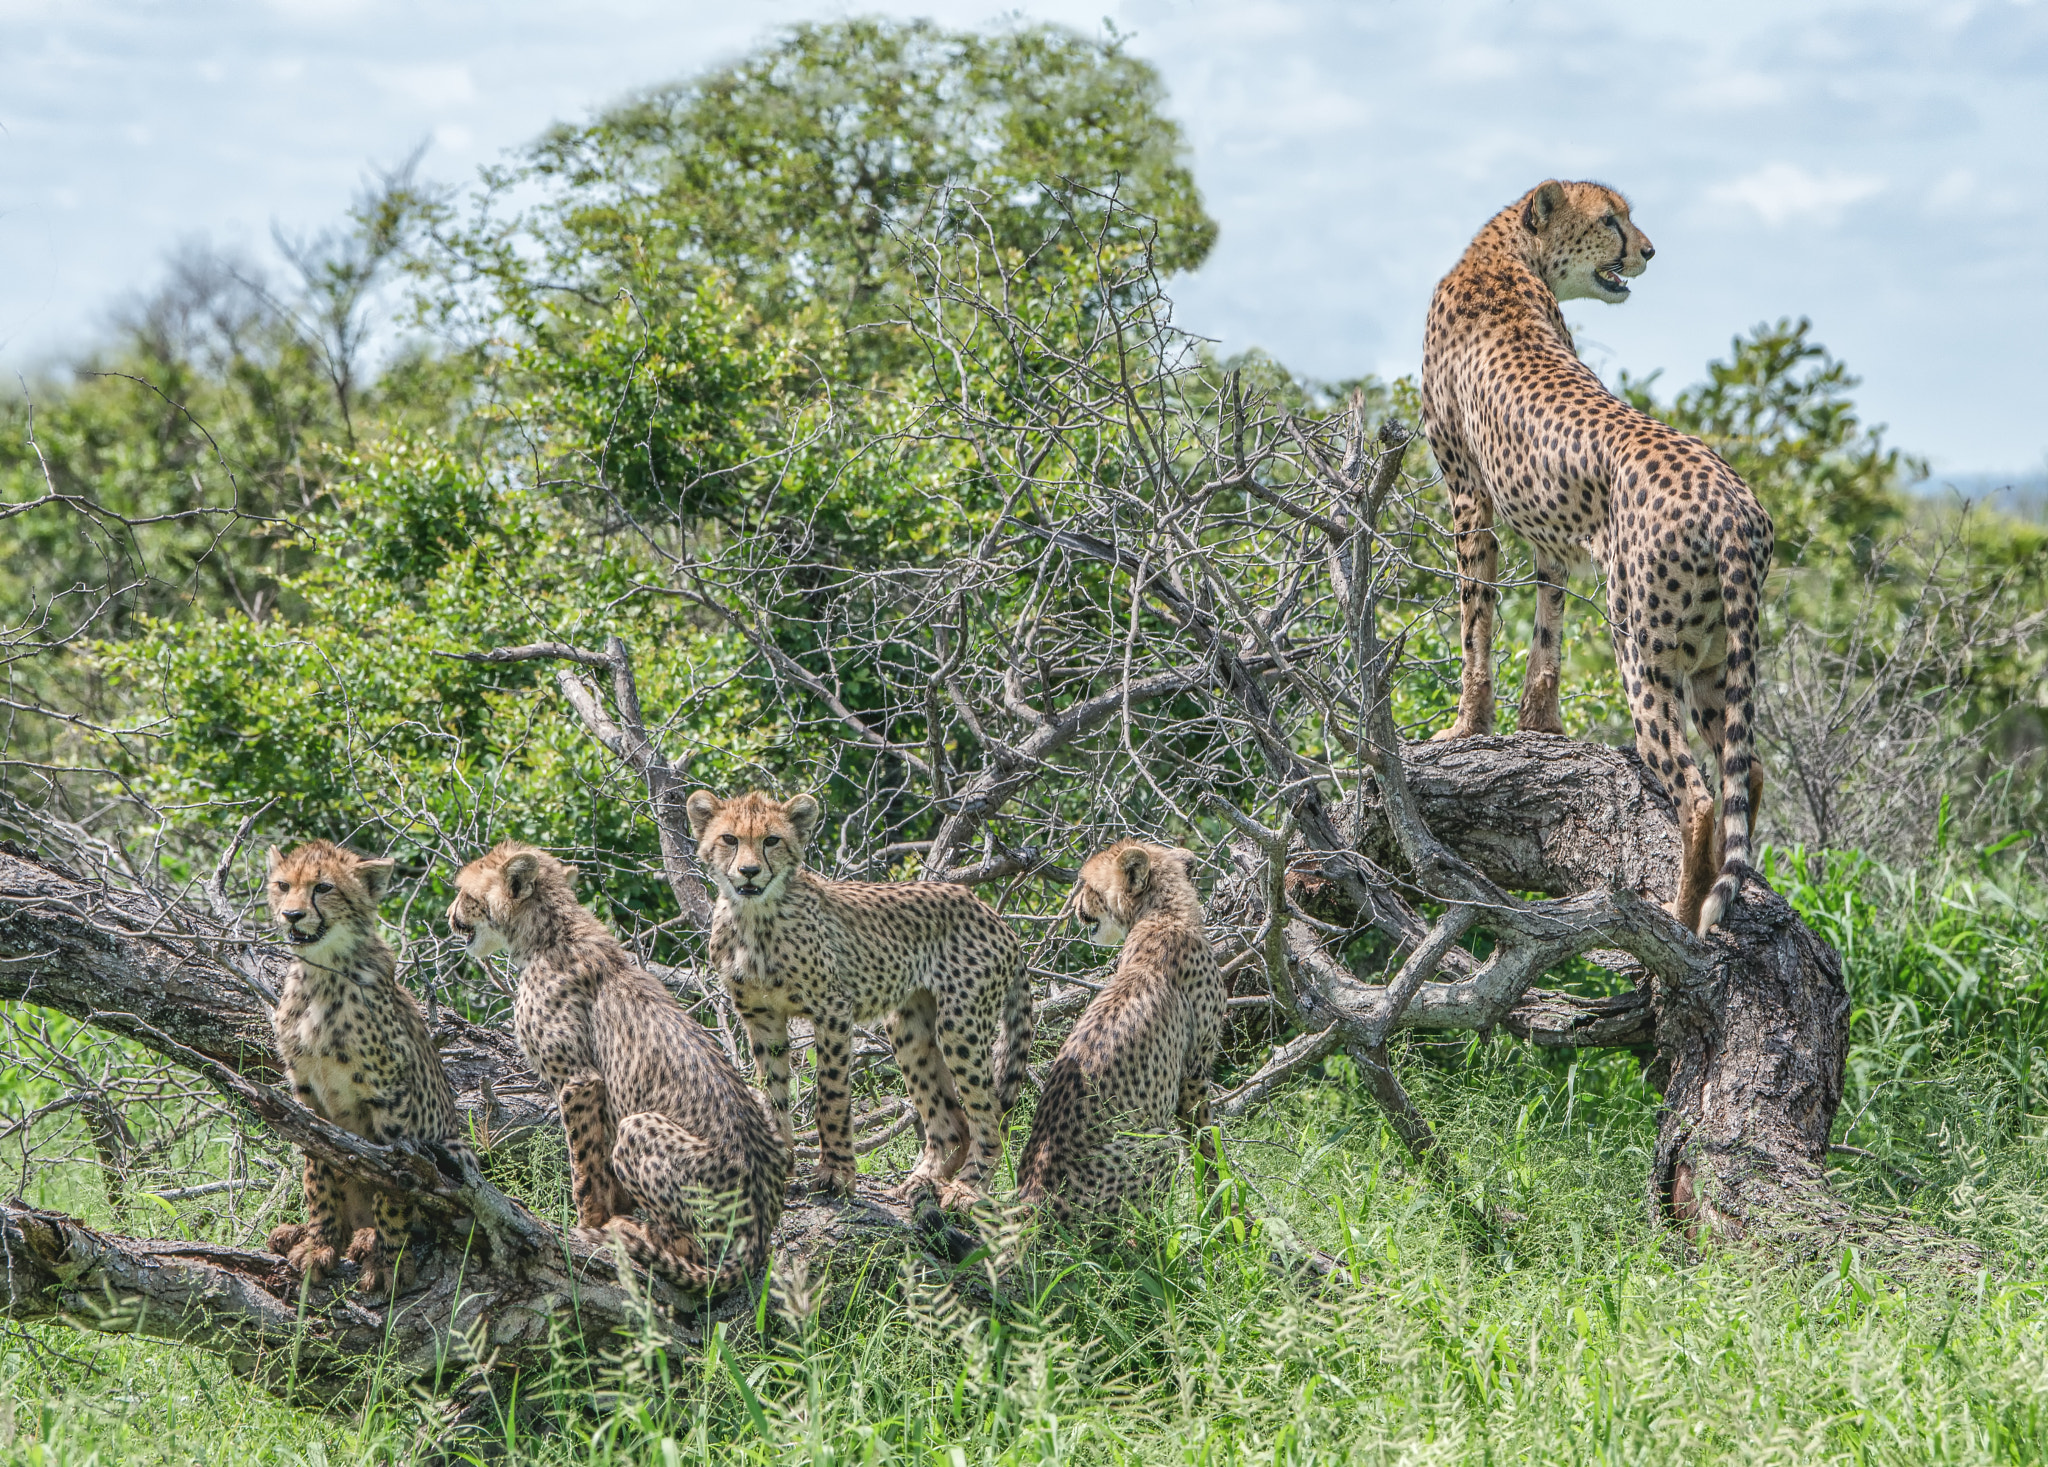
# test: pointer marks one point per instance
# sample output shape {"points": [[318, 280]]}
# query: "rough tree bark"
{"points": [[500, 1291], [1747, 1030]]}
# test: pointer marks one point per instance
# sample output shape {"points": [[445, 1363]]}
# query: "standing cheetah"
{"points": [[668, 1148], [1523, 430], [1140, 1058], [933, 959], [356, 1050]]}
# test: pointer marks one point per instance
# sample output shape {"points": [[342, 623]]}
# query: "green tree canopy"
{"points": [[793, 171]]}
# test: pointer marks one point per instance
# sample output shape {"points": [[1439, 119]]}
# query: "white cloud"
{"points": [[1782, 192], [426, 85]]}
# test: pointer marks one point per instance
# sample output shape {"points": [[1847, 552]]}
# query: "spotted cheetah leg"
{"points": [[832, 1052], [313, 1246], [1539, 712], [967, 1042], [380, 1250], [930, 1084], [1478, 570], [768, 1038], [592, 1183], [690, 1193]]}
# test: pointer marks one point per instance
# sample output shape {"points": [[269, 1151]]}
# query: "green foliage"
{"points": [[1779, 411], [795, 171]]}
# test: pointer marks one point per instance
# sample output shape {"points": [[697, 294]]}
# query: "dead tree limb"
{"points": [[628, 739], [502, 1288]]}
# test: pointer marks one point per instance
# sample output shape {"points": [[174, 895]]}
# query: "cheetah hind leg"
{"points": [[930, 1083], [692, 1220]]}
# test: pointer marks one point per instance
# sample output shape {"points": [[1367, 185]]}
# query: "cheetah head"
{"points": [[1121, 883], [323, 896], [751, 844], [494, 890], [1581, 240]]}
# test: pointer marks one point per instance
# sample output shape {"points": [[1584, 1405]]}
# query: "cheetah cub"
{"points": [[933, 959], [356, 1050], [1140, 1058], [668, 1148]]}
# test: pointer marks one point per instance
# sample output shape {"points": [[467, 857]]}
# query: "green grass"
{"points": [[1576, 1334]]}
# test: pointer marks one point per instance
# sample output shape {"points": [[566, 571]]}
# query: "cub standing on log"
{"points": [[932, 958], [1140, 1058], [669, 1149], [1524, 430], [356, 1049]]}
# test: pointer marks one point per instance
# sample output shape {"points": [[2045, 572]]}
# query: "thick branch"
{"points": [[630, 742]]}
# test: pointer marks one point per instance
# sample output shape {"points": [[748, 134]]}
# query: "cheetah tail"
{"points": [[1741, 775], [1013, 1062]]}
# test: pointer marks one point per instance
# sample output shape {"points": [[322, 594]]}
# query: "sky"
{"points": [[1879, 167]]}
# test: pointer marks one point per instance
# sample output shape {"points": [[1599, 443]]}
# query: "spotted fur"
{"points": [[357, 1052], [669, 1150], [1525, 432], [1138, 1063], [934, 960]]}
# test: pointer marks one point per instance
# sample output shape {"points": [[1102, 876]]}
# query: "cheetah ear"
{"points": [[520, 873], [376, 874], [274, 859], [702, 808], [804, 813], [1137, 868], [1546, 201]]}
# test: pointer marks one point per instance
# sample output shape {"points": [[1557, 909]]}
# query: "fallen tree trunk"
{"points": [[1745, 1031]]}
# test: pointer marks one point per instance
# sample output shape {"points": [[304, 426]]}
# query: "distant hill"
{"points": [[2023, 495]]}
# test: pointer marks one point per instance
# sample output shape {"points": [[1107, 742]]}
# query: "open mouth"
{"points": [[298, 937], [1609, 279], [750, 890]]}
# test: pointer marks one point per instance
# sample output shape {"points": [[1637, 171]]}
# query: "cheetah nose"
{"points": [[1649, 250], [750, 871], [293, 915]]}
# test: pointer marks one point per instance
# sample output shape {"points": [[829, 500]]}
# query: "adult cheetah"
{"points": [[1140, 1058], [669, 1149], [1524, 431], [357, 1052], [933, 959]]}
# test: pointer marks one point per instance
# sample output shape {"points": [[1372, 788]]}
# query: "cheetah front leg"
{"points": [[832, 1051], [380, 1250], [1478, 570], [598, 1193], [768, 1038], [1539, 712], [313, 1246]]}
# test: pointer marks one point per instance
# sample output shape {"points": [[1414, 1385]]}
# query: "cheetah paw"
{"points": [[830, 1183], [958, 1196]]}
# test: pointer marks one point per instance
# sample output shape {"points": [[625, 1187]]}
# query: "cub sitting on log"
{"points": [[355, 1047], [668, 1147], [932, 958], [1140, 1058]]}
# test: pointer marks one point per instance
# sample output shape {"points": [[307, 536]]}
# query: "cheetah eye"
{"points": [[321, 888], [284, 886], [729, 839], [773, 840]]}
